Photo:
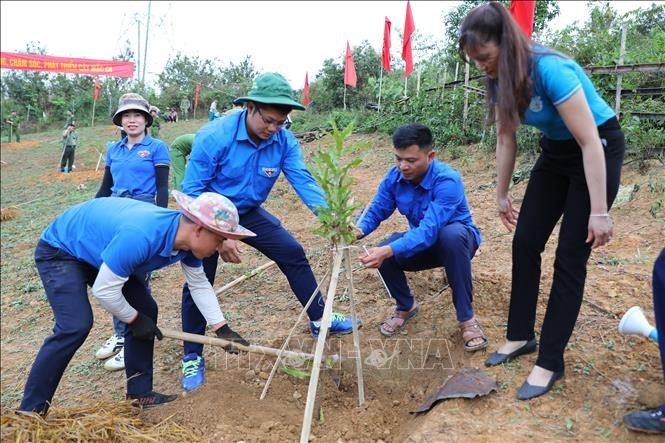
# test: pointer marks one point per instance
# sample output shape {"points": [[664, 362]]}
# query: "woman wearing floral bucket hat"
{"points": [[137, 167], [106, 243], [241, 155]]}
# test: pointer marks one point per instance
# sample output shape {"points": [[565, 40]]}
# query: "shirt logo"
{"points": [[536, 104], [269, 171], [143, 154]]}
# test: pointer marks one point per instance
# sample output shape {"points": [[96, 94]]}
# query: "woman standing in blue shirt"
{"points": [[137, 167], [576, 177]]}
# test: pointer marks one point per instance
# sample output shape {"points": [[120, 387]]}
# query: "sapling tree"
{"points": [[336, 220], [336, 224]]}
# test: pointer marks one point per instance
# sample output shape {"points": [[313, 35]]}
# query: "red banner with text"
{"points": [[66, 65]]}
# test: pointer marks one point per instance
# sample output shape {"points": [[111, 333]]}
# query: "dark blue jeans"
{"points": [[276, 243], [556, 190], [453, 250], [65, 281]]}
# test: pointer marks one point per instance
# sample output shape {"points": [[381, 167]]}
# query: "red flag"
{"points": [[305, 93], [523, 11], [95, 95], [349, 68], [386, 46], [409, 27], [196, 95]]}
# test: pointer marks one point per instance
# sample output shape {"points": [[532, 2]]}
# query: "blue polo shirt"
{"points": [[133, 170], [435, 202], [555, 79], [130, 236], [225, 160]]}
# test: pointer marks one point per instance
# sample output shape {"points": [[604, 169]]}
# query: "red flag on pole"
{"points": [[409, 27], [523, 12], [305, 99], [349, 68], [95, 95], [196, 95], [386, 46]]}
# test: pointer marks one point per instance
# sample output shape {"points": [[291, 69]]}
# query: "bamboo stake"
{"points": [[356, 336], [318, 353], [288, 338], [214, 341], [242, 278]]}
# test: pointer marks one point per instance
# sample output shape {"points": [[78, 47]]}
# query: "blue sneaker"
{"points": [[339, 325], [193, 371]]}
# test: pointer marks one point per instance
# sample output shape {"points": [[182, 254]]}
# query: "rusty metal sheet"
{"points": [[465, 383]]}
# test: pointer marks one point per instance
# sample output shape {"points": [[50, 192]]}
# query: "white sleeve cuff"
{"points": [[108, 290], [202, 293]]}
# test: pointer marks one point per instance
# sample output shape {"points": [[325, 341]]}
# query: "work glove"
{"points": [[144, 328], [228, 334]]}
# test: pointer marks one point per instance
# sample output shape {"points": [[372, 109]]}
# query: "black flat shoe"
{"points": [[497, 358], [527, 391]]}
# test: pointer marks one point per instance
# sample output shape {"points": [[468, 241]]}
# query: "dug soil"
{"points": [[607, 374]]}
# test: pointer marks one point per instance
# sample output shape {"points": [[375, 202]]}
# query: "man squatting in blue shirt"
{"points": [[109, 243], [430, 194], [241, 156]]}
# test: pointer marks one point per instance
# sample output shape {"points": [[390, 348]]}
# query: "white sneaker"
{"points": [[116, 363], [112, 346]]}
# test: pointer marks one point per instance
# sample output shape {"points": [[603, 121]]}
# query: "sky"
{"points": [[290, 37]]}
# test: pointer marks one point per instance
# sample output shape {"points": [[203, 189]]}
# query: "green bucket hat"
{"points": [[270, 88]]}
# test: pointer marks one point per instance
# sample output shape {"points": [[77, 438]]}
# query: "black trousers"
{"points": [[67, 158], [557, 187]]}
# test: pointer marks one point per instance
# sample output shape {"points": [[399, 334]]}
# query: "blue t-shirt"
{"points": [[225, 160], [130, 236], [555, 79], [435, 202], [133, 170]]}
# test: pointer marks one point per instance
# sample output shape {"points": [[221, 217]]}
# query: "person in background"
{"points": [[180, 150], [156, 126], [109, 244], [653, 420], [241, 156], [430, 194], [70, 139], [575, 180], [213, 110], [173, 115], [14, 123], [137, 167]]}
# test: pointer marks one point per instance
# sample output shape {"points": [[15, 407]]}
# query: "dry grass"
{"points": [[9, 213], [95, 422]]}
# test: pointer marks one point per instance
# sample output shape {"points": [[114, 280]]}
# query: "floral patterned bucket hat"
{"points": [[214, 212]]}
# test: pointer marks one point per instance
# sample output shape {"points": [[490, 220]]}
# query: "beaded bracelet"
{"points": [[599, 215]]}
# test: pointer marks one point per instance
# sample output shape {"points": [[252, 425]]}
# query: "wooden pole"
{"points": [[356, 336], [466, 93], [622, 52], [380, 84], [244, 277], [320, 343], [214, 341], [92, 122], [344, 98]]}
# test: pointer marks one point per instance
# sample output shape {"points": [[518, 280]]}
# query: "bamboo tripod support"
{"points": [[338, 256]]}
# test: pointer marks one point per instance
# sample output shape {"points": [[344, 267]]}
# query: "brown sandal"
{"points": [[395, 323], [471, 330]]}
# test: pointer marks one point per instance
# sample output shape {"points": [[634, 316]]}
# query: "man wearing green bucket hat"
{"points": [[241, 156]]}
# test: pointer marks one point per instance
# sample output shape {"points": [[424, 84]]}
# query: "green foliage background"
{"points": [[427, 96]]}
